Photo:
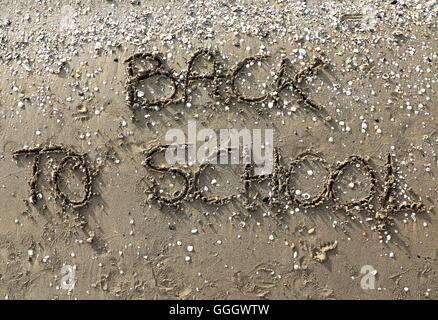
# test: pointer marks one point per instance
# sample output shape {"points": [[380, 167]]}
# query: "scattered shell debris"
{"points": [[90, 92]]}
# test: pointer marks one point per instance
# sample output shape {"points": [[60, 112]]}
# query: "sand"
{"points": [[65, 83]]}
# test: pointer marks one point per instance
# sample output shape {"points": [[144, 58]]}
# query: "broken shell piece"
{"points": [[320, 254]]}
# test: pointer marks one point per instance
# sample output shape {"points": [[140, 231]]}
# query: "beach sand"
{"points": [[64, 82]]}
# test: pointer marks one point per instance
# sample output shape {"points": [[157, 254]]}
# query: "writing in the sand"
{"points": [[283, 194], [145, 69]]}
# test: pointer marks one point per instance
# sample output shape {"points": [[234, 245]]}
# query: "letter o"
{"points": [[338, 172], [78, 162], [318, 199]]}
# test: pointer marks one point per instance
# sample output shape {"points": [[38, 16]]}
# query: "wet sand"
{"points": [[64, 82]]}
